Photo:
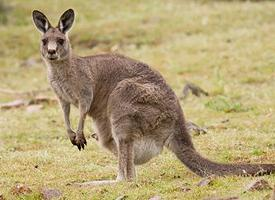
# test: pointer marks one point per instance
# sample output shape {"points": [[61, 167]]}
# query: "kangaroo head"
{"points": [[55, 44]]}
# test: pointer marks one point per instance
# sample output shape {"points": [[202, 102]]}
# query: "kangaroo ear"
{"points": [[66, 21], [41, 21]]}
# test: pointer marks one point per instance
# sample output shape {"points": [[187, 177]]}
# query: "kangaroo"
{"points": [[135, 112]]}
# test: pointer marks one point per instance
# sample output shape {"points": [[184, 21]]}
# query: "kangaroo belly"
{"points": [[145, 149]]}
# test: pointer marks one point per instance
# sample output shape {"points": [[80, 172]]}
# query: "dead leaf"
{"points": [[122, 197], [155, 198], [20, 189], [34, 108], [13, 104], [49, 193], [258, 185], [205, 181]]}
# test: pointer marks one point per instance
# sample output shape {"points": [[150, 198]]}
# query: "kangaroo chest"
{"points": [[65, 89]]}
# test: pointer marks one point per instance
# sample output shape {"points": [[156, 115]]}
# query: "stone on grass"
{"points": [[50, 193], [33, 108], [157, 197]]}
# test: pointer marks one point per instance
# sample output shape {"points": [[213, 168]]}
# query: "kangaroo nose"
{"points": [[51, 51]]}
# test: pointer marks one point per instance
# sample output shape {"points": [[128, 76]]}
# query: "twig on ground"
{"points": [[194, 89], [23, 102], [23, 94], [13, 104]]}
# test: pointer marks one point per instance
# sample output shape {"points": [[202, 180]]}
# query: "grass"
{"points": [[226, 47]]}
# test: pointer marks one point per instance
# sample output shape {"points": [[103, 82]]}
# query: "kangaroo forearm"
{"points": [[80, 140], [84, 106], [81, 123], [66, 112]]}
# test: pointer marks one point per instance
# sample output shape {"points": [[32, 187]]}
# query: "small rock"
{"points": [[34, 108], [205, 181], [49, 193], [155, 198], [259, 184], [20, 189]]}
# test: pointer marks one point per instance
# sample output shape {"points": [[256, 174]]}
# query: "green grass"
{"points": [[226, 47]]}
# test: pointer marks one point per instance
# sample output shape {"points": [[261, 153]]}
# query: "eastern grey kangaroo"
{"points": [[133, 109]]}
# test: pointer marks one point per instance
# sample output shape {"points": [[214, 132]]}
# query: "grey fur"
{"points": [[133, 109]]}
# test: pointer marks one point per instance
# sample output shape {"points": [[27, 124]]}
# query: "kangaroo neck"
{"points": [[60, 68]]}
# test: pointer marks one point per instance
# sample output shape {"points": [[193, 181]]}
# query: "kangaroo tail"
{"points": [[185, 152]]}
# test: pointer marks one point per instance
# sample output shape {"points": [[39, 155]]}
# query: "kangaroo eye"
{"points": [[44, 41], [60, 41]]}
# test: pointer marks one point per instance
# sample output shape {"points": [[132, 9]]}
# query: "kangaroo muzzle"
{"points": [[52, 49]]}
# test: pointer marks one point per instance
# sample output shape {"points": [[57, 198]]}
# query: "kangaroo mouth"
{"points": [[52, 57]]}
